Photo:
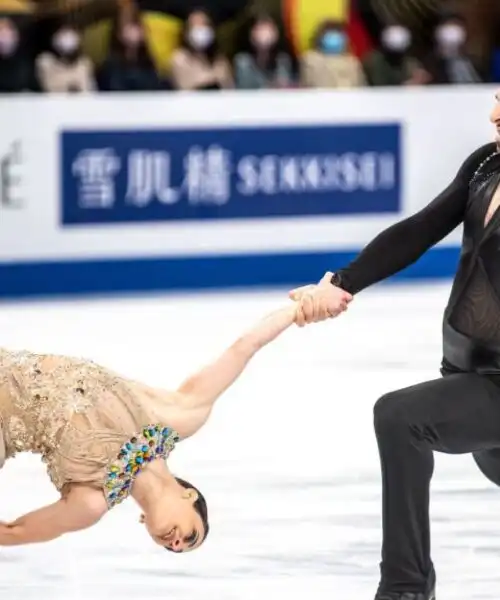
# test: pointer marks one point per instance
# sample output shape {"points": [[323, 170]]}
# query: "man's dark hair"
{"points": [[200, 505]]}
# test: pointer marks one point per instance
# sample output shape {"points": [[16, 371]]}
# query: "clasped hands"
{"points": [[319, 302]]}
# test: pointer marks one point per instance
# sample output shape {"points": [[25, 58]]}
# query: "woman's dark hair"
{"points": [[247, 47], [213, 50], [200, 505]]}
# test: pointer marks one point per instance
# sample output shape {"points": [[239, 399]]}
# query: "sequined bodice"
{"points": [[90, 425]]}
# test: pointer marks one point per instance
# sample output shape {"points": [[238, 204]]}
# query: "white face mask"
{"points": [[264, 37], [396, 38], [450, 36], [8, 41], [201, 36], [66, 41]]}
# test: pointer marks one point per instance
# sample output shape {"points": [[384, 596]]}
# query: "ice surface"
{"points": [[288, 461]]}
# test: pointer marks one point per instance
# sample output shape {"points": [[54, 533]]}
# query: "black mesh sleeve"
{"points": [[402, 244]]}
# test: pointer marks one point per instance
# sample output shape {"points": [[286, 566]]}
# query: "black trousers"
{"points": [[457, 414]]}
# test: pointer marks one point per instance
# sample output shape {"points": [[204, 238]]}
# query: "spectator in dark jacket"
{"points": [[393, 63], [129, 66], [16, 69]]}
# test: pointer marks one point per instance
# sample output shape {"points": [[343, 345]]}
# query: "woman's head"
{"points": [[131, 34], [451, 34], [66, 41], [128, 40], [264, 33], [178, 520], [396, 39], [9, 37], [199, 33], [331, 38]]}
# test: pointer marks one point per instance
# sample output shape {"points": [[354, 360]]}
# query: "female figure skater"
{"points": [[105, 437]]}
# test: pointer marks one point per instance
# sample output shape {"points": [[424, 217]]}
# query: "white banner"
{"points": [[438, 129]]}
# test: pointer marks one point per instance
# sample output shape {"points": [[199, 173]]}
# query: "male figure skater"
{"points": [[458, 413]]}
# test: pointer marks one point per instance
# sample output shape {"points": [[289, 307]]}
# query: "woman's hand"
{"points": [[319, 302]]}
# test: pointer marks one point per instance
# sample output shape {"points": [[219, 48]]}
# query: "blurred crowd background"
{"points": [[144, 45]]}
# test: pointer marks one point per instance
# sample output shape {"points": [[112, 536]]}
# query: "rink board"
{"points": [[195, 191], [22, 279]]}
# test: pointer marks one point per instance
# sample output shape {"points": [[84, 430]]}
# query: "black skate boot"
{"points": [[405, 596], [430, 594]]}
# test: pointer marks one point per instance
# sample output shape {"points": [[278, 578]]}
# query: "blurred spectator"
{"points": [[263, 63], [16, 70], [198, 64], [393, 63], [65, 68], [330, 64], [129, 66], [449, 62]]}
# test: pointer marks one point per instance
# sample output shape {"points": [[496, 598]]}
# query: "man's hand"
{"points": [[319, 302]]}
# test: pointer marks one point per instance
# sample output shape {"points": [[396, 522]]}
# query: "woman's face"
{"points": [[174, 523], [333, 41], [200, 32], [264, 34], [9, 37], [132, 34], [66, 40], [451, 35]]}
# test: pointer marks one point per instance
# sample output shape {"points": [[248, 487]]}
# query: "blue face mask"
{"points": [[333, 42]]}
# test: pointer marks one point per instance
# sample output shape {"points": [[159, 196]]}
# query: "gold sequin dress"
{"points": [[90, 425]]}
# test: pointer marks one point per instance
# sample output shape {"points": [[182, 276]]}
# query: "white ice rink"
{"points": [[288, 462]]}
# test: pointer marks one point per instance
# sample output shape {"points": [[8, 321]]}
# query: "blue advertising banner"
{"points": [[229, 173]]}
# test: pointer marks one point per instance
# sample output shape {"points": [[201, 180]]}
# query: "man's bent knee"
{"points": [[387, 413]]}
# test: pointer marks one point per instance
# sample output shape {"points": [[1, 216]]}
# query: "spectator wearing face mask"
{"points": [[330, 64], [198, 64], [392, 64], [16, 71], [129, 66], [449, 61], [64, 68], [263, 63]]}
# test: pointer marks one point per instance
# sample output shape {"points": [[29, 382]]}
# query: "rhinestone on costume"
{"points": [[154, 441], [478, 172]]}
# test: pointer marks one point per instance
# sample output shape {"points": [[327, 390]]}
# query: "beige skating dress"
{"points": [[90, 425]]}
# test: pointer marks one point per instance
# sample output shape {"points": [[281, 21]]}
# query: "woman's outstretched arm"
{"points": [[201, 390]]}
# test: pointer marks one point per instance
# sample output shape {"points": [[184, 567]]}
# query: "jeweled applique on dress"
{"points": [[151, 443]]}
